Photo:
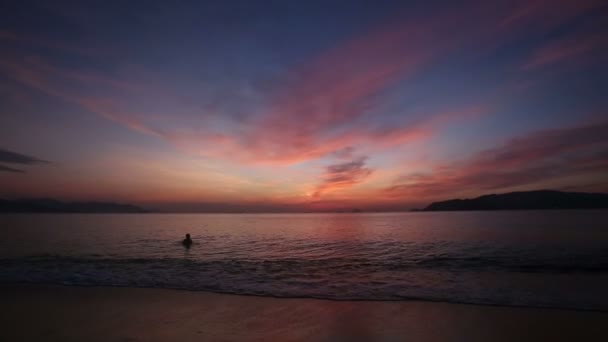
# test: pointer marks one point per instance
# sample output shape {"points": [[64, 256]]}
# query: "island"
{"points": [[525, 200]]}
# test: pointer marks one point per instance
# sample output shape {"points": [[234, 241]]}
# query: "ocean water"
{"points": [[525, 258]]}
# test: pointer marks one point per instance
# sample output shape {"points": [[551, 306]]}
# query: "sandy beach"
{"points": [[64, 313]]}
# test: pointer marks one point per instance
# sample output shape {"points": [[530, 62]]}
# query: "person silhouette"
{"points": [[187, 241]]}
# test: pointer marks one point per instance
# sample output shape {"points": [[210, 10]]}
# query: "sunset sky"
{"points": [[301, 105]]}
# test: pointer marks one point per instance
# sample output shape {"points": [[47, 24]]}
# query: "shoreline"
{"points": [[338, 300], [74, 313]]}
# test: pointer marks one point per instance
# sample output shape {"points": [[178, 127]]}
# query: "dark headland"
{"points": [[525, 200], [46, 205]]}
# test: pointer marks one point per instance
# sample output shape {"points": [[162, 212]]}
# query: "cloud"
{"points": [[343, 175], [313, 115], [10, 169], [46, 42], [545, 13], [336, 88], [18, 158], [10, 157], [345, 153], [321, 106], [541, 157], [71, 86], [565, 49]]}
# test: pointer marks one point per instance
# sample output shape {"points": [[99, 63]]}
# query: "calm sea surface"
{"points": [[530, 258]]}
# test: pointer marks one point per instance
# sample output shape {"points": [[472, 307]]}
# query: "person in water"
{"points": [[187, 241]]}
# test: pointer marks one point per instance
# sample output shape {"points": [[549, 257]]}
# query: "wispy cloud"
{"points": [[318, 110], [10, 169], [357, 105], [18, 158], [10, 157], [314, 114], [539, 157], [565, 50], [323, 102], [546, 14], [343, 175]]}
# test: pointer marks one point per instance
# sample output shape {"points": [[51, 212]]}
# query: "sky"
{"points": [[301, 105]]}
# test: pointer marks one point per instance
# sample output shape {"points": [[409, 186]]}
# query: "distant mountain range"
{"points": [[45, 205], [541, 199], [526, 200]]}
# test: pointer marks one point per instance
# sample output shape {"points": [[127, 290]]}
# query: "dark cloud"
{"points": [[10, 169], [344, 153], [343, 175], [16, 158]]}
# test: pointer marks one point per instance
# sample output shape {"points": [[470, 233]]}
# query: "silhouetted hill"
{"points": [[541, 199], [46, 205]]}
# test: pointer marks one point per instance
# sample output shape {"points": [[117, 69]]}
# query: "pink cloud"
{"points": [[304, 122], [333, 90], [322, 101], [533, 159], [545, 13], [39, 75], [563, 50], [343, 175], [272, 140]]}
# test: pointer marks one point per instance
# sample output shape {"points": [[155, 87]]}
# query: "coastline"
{"points": [[73, 313]]}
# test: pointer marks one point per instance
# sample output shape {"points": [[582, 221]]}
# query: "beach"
{"points": [[70, 313]]}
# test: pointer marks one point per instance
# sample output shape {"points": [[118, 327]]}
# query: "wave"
{"points": [[490, 281], [583, 263]]}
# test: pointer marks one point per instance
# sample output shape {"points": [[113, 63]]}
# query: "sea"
{"points": [[556, 259]]}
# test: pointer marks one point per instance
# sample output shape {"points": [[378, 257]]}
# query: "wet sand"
{"points": [[64, 313]]}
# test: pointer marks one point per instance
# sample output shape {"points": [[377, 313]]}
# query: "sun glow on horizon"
{"points": [[391, 107]]}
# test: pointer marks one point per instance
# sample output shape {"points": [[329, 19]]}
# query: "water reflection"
{"points": [[472, 257]]}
